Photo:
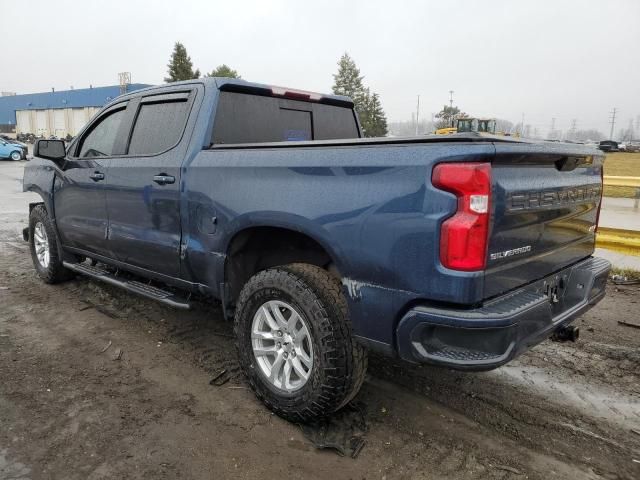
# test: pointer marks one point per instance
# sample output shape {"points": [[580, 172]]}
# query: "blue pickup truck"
{"points": [[461, 251]]}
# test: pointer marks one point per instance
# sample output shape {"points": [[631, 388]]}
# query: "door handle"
{"points": [[96, 176], [163, 179]]}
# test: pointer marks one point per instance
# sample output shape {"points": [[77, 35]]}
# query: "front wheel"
{"points": [[44, 247], [294, 342], [16, 156]]}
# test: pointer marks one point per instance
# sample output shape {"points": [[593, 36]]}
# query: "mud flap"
{"points": [[344, 431]]}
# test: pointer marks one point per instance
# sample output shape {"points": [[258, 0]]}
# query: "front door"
{"points": [[143, 195], [80, 187]]}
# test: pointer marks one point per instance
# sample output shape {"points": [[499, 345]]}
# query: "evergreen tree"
{"points": [[377, 118], [348, 81], [180, 66], [447, 116], [224, 71], [365, 113]]}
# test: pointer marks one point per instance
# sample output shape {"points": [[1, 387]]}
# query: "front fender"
{"points": [[39, 176]]}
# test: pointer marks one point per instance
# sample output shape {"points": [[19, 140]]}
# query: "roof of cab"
{"points": [[238, 84]]}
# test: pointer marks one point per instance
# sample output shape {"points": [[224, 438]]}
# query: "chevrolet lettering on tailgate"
{"points": [[518, 201]]}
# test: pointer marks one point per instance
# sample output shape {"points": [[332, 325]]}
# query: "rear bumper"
{"points": [[489, 336]]}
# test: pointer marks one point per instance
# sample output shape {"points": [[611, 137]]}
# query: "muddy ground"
{"points": [[96, 383]]}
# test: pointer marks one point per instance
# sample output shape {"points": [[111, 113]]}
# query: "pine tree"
{"points": [[447, 116], [224, 71], [365, 113], [377, 117], [180, 66], [348, 81]]}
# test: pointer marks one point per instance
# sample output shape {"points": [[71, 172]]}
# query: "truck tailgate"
{"points": [[545, 205]]}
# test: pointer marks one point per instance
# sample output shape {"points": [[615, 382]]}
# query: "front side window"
{"points": [[158, 127], [100, 141]]}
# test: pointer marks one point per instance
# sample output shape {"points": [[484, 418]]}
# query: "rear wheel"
{"points": [[16, 155], [294, 342], [44, 247]]}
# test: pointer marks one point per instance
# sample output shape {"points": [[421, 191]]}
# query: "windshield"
{"points": [[488, 126], [465, 125]]}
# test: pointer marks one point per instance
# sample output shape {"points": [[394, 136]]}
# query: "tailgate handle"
{"points": [[164, 179], [567, 164]]}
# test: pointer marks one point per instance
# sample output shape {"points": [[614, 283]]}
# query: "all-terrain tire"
{"points": [[54, 271], [339, 363]]}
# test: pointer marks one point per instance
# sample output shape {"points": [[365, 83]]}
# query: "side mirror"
{"points": [[50, 149]]}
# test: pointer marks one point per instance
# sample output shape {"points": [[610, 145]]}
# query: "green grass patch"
{"points": [[622, 164], [629, 273]]}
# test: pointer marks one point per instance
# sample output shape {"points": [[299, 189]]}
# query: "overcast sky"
{"points": [[558, 58]]}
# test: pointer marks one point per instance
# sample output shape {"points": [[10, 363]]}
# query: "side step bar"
{"points": [[132, 286]]}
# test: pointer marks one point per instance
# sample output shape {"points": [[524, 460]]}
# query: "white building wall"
{"points": [[54, 121], [59, 123], [42, 123], [23, 121]]}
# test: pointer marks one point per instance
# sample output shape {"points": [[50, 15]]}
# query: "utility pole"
{"points": [[552, 130], [613, 122], [451, 106], [418, 115], [522, 125]]}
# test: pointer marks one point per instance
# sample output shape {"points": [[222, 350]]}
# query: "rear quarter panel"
{"points": [[371, 207]]}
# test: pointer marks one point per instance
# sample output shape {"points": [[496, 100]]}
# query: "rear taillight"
{"points": [[464, 237]]}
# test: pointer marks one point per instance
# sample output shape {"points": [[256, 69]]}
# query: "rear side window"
{"points": [[245, 118], [100, 140], [158, 127]]}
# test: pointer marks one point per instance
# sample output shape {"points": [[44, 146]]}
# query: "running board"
{"points": [[132, 286]]}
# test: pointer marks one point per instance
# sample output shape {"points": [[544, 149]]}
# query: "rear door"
{"points": [[143, 197], [545, 205]]}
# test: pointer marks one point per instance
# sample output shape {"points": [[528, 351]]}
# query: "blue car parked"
{"points": [[13, 151]]}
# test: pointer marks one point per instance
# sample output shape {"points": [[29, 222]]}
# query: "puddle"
{"points": [[11, 469], [616, 408]]}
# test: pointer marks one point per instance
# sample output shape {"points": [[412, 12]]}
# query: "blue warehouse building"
{"points": [[58, 113]]}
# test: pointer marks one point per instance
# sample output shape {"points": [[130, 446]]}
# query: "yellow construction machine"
{"points": [[470, 124]]}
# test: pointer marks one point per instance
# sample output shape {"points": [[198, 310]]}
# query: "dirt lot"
{"points": [[96, 383]]}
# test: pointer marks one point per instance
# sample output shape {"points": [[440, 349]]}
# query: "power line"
{"points": [[613, 122]]}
